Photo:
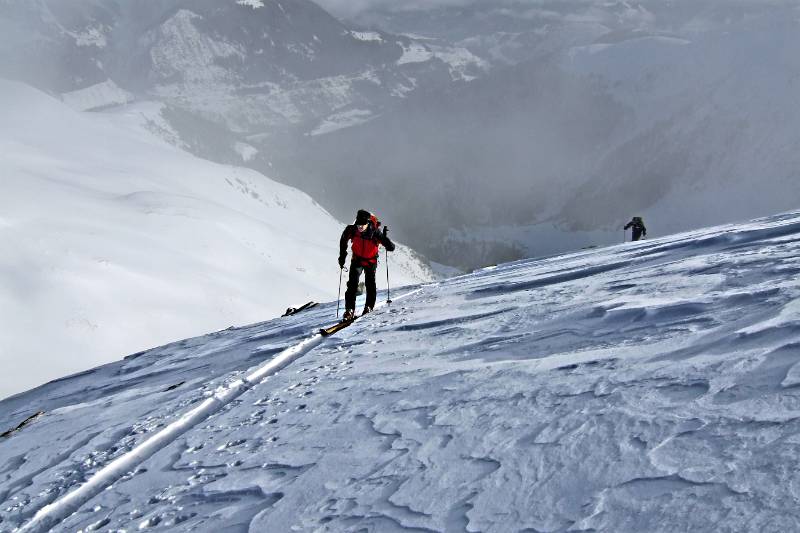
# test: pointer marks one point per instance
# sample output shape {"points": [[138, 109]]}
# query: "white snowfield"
{"points": [[113, 241], [651, 386]]}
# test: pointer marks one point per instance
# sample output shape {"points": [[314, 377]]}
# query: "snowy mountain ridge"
{"points": [[250, 65], [650, 386]]}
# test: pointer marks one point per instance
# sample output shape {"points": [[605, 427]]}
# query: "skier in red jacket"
{"points": [[366, 239]]}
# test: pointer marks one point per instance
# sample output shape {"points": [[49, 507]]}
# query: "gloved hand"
{"points": [[341, 261], [385, 230]]}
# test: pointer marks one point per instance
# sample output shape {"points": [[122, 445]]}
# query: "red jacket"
{"points": [[365, 244]]}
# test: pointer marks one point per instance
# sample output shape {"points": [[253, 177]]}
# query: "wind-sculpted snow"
{"points": [[652, 386]]}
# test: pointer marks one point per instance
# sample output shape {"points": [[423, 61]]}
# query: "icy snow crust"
{"points": [[650, 386]]}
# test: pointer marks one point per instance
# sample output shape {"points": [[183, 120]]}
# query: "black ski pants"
{"points": [[352, 285], [636, 234]]}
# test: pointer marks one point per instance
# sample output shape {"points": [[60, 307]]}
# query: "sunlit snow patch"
{"points": [[415, 53], [91, 37], [463, 64], [255, 4], [367, 36], [342, 120], [246, 151], [100, 95]]}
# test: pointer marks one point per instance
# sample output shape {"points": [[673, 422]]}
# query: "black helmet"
{"points": [[362, 217]]}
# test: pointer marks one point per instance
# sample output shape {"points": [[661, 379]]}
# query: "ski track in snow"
{"points": [[651, 386], [55, 512]]}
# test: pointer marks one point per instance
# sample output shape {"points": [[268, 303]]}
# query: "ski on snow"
{"points": [[292, 310], [337, 327], [340, 325]]}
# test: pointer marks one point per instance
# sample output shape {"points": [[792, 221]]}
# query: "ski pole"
{"points": [[624, 235], [339, 294], [388, 289]]}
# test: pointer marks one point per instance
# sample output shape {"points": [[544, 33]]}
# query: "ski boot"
{"points": [[367, 309], [349, 314]]}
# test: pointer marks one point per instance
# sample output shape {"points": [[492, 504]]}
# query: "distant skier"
{"points": [[638, 230], [366, 239]]}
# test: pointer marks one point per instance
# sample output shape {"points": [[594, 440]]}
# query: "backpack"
{"points": [[375, 222]]}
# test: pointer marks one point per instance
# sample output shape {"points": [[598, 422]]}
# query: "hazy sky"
{"points": [[351, 7]]}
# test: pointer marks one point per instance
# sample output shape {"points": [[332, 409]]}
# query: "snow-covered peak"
{"points": [[367, 35], [650, 386], [255, 4]]}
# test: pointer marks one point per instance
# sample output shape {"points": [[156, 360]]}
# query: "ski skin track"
{"points": [[52, 514]]}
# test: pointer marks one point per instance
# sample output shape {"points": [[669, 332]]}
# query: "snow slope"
{"points": [[650, 386], [114, 241]]}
